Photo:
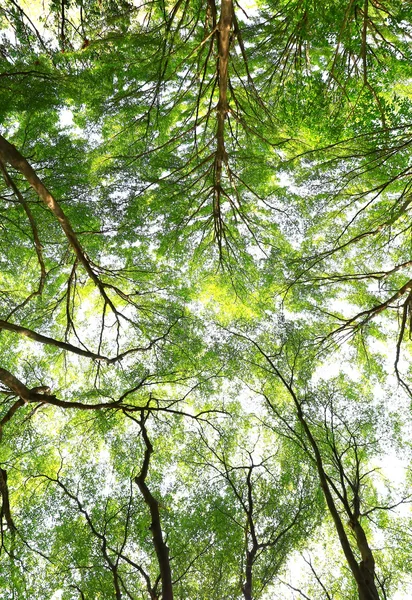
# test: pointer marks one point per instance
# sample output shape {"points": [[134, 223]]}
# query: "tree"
{"points": [[340, 438], [271, 522], [203, 205]]}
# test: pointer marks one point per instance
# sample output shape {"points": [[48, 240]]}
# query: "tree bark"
{"points": [[368, 589], [43, 339], [10, 155], [161, 548], [5, 507], [248, 585], [223, 42], [364, 572]]}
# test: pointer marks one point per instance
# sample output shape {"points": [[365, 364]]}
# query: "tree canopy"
{"points": [[205, 299]]}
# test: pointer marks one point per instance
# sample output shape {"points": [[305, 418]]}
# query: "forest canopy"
{"points": [[205, 299]]}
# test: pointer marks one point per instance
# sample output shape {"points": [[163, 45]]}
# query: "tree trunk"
{"points": [[160, 546], [223, 42], [367, 587], [247, 586]]}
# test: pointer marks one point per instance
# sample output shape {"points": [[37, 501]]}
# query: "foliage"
{"points": [[205, 299]]}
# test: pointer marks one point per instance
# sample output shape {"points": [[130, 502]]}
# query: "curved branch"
{"points": [[9, 154]]}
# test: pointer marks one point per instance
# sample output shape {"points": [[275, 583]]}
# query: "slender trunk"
{"points": [[161, 548], [247, 587], [364, 573], [5, 507], [343, 538], [223, 37], [223, 41]]}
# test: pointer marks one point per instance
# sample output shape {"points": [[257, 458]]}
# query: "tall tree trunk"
{"points": [[160, 546], [223, 41], [364, 572], [247, 587], [368, 590]]}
